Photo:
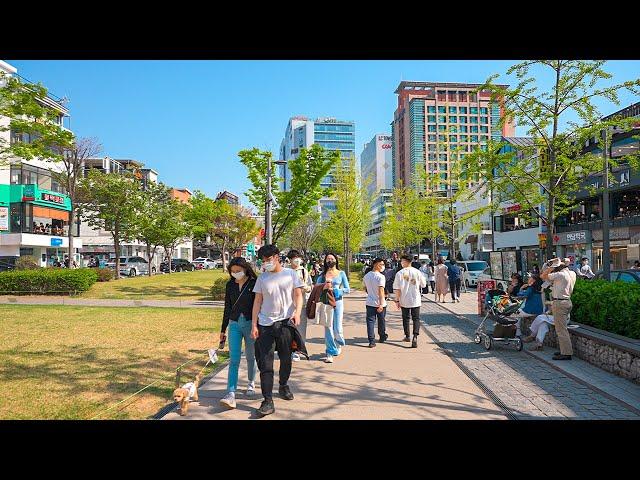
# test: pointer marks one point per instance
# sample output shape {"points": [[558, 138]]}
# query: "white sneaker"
{"points": [[329, 359], [229, 400], [295, 357], [251, 390]]}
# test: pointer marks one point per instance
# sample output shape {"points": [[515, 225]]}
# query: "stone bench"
{"points": [[608, 351]]}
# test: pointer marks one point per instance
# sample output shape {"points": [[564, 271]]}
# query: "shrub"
{"points": [[47, 280], [27, 262], [610, 306], [356, 267], [219, 287], [105, 274]]}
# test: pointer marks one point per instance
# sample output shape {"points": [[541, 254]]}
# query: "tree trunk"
{"points": [[116, 247], [550, 228], [149, 258], [224, 257], [70, 235]]}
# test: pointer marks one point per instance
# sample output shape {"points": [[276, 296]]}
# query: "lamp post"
{"points": [[268, 231], [606, 254]]}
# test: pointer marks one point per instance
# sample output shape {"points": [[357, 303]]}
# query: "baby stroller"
{"points": [[500, 308]]}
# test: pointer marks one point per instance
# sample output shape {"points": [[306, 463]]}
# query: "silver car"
{"points": [[132, 266]]}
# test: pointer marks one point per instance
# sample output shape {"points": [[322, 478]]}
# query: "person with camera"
{"points": [[238, 307], [562, 281]]}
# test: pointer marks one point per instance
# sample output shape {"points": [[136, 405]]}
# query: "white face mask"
{"points": [[381, 269], [296, 262], [269, 266], [238, 275]]}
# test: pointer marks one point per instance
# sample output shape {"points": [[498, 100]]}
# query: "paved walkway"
{"points": [[104, 302], [391, 381]]}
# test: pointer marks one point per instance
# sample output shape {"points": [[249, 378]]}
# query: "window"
{"points": [[442, 109], [432, 157], [453, 129], [432, 147], [474, 138], [443, 158], [431, 109], [473, 119], [443, 176], [442, 118], [453, 138], [431, 119], [463, 110], [473, 110], [464, 128], [474, 129], [463, 119], [484, 119], [473, 97], [484, 110], [432, 167], [431, 138], [484, 129], [453, 109], [442, 138], [431, 128], [442, 128], [464, 138], [453, 119]]}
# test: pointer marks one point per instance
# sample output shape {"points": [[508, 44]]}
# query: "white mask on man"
{"points": [[269, 266], [296, 262]]}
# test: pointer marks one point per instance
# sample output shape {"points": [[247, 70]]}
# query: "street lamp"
{"points": [[267, 208]]}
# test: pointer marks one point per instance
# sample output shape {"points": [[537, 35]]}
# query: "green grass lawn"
{"points": [[355, 282], [182, 285], [68, 362]]}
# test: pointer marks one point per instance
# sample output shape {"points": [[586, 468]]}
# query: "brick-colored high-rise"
{"points": [[432, 119]]}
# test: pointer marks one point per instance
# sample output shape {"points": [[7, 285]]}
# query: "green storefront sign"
{"points": [[32, 194]]}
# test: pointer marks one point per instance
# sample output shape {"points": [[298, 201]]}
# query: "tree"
{"points": [[345, 229], [308, 170], [73, 159], [304, 235], [172, 227], [33, 122], [551, 170], [157, 210], [110, 201]]}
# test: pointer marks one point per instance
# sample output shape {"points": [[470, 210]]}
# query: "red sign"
{"points": [[386, 146], [512, 208], [47, 197], [483, 287]]}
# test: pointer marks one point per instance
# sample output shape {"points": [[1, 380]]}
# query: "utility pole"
{"points": [[606, 253], [268, 233]]}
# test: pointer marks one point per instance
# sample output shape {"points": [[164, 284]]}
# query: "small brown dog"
{"points": [[186, 393]]}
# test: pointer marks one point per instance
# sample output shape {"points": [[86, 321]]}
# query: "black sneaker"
{"points": [[384, 338], [285, 392], [561, 357], [406, 339], [372, 344], [266, 407], [414, 342]]}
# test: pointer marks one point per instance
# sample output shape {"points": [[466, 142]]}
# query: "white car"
{"points": [[472, 271], [205, 263], [131, 266]]}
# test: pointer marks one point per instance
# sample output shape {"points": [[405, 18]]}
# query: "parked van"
{"points": [[472, 270]]}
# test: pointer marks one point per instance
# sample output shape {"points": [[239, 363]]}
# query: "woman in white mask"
{"points": [[238, 305]]}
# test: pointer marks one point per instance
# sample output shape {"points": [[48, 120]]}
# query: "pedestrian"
{"points": [[395, 262], [238, 308], [532, 293], [407, 286], [454, 272], [389, 276], [424, 268], [563, 280], [442, 280], [277, 305], [376, 304], [296, 262], [416, 263], [636, 265], [516, 284], [335, 280], [431, 276], [585, 269]]}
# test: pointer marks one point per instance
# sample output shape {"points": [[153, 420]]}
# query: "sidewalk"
{"points": [[106, 302], [391, 381]]}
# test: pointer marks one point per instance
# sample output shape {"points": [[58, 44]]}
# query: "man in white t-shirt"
{"points": [[376, 304], [278, 300], [407, 286]]}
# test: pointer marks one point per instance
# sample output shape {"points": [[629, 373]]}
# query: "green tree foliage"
{"points": [[304, 235], [111, 201], [554, 101], [172, 227], [345, 229], [307, 171]]}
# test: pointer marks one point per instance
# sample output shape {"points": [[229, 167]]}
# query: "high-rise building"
{"points": [[375, 163], [330, 133], [436, 122]]}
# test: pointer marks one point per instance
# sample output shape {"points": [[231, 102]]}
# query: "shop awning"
{"points": [[471, 239], [52, 213]]}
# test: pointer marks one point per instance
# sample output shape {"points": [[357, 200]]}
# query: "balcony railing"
{"points": [[597, 225]]}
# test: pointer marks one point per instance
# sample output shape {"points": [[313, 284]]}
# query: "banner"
{"points": [[4, 219]]}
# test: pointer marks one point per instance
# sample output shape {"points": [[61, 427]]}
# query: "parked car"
{"points": [[177, 265], [131, 266], [472, 270], [629, 276], [203, 263]]}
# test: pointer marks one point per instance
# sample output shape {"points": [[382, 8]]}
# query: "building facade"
{"points": [[330, 133], [382, 202], [34, 208], [434, 123], [375, 164]]}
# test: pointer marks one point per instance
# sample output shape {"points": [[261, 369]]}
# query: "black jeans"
{"points": [[415, 316], [454, 287], [372, 315], [274, 337]]}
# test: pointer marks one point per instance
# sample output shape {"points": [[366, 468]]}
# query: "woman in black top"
{"points": [[238, 306]]}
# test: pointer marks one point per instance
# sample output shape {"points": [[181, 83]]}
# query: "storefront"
{"points": [[623, 247], [573, 245], [35, 222]]}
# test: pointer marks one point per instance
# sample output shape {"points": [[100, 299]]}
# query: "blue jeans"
{"points": [[334, 336], [372, 315], [237, 331]]}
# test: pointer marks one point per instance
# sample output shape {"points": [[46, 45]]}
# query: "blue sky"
{"points": [[188, 119]]}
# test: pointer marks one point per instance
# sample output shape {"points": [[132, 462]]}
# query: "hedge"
{"points": [[610, 306], [219, 288], [105, 274], [356, 267], [47, 280]]}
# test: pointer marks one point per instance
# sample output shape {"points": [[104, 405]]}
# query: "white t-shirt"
{"points": [[410, 282], [373, 281], [277, 295]]}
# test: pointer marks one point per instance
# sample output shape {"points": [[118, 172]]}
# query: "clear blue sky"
{"points": [[188, 119]]}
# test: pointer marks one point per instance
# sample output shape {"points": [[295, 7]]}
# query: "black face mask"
{"points": [[331, 264]]}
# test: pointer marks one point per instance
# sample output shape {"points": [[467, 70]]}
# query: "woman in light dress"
{"points": [[442, 280]]}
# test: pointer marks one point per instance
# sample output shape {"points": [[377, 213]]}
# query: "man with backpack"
{"points": [[295, 259]]}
